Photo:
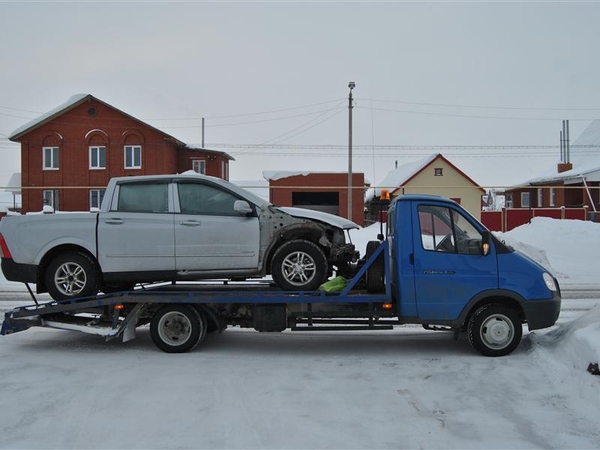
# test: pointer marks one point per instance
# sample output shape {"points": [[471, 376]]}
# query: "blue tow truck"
{"points": [[438, 267]]}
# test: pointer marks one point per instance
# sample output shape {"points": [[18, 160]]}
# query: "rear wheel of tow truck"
{"points": [[375, 276], [299, 265], [70, 275], [495, 330], [177, 328]]}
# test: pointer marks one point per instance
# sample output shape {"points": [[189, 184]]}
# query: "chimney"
{"points": [[565, 150]]}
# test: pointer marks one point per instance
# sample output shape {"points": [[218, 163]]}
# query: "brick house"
{"points": [[575, 183], [320, 191], [434, 175], [69, 154], [569, 188]]}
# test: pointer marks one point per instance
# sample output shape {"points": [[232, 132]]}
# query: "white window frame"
{"points": [[133, 149], [199, 166], [509, 200], [540, 197], [552, 196], [224, 170], [525, 200], [51, 163], [99, 196], [53, 197], [96, 149]]}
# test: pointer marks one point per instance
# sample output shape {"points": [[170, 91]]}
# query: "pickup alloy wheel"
{"points": [[70, 275], [299, 265]]}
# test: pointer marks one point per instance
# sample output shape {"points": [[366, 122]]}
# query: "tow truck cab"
{"points": [[446, 266]]}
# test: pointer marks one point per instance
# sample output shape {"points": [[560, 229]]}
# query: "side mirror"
{"points": [[486, 240], [243, 207]]}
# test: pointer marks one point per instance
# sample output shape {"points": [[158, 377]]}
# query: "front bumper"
{"points": [[542, 313]]}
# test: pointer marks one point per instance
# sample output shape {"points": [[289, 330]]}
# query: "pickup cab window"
{"points": [[143, 197], [197, 198], [446, 230]]}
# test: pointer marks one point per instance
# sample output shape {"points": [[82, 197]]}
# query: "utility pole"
{"points": [[203, 132], [351, 85]]}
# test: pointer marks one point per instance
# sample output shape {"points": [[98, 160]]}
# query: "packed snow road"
{"points": [[405, 388]]}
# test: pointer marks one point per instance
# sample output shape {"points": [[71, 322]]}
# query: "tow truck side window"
{"points": [[445, 230]]}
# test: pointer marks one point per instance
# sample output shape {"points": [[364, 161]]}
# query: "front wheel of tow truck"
{"points": [[177, 328], [495, 330]]}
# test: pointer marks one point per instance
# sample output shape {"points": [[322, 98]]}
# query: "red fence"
{"points": [[507, 219]]}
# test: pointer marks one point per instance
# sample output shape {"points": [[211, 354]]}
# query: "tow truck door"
{"points": [[449, 267]]}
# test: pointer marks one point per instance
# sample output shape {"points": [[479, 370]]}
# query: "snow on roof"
{"points": [[70, 102], [399, 176], [275, 175], [14, 184]]}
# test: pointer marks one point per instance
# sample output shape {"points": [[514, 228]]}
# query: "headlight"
{"points": [[550, 284]]}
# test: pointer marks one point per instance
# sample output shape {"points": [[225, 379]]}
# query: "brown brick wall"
{"points": [[74, 132]]}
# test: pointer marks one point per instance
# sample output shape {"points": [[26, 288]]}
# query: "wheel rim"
{"points": [[70, 279], [299, 268], [497, 331], [174, 328]]}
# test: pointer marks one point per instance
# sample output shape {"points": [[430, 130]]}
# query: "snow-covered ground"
{"points": [[404, 388]]}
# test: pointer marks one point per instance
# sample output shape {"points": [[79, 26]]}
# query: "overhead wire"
{"points": [[448, 105]]}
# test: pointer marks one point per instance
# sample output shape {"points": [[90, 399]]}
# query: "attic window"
{"points": [[438, 172], [92, 112]]}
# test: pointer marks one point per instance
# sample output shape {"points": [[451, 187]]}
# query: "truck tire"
{"points": [[70, 275], [495, 330], [299, 265], [375, 276], [177, 328]]}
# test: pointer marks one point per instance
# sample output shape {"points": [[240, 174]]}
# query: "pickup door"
{"points": [[136, 234], [209, 234]]}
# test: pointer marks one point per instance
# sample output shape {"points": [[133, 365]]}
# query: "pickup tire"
{"points": [[299, 265], [71, 275], [375, 275], [495, 330], [177, 328]]}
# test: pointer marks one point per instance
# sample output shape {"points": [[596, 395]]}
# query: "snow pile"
{"points": [[567, 248]]}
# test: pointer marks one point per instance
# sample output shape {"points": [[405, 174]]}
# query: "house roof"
{"points": [[79, 99], [199, 148], [70, 104], [403, 174]]}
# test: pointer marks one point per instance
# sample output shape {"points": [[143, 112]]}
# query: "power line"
{"points": [[306, 123], [465, 116], [398, 147], [482, 107], [274, 110]]}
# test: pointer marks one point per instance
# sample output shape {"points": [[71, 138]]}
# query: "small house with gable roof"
{"points": [[434, 175]]}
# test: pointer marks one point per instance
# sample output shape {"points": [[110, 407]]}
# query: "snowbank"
{"points": [[567, 248]]}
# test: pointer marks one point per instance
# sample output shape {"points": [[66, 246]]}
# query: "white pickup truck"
{"points": [[170, 228]]}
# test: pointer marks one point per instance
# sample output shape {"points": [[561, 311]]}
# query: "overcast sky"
{"points": [[426, 74]]}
